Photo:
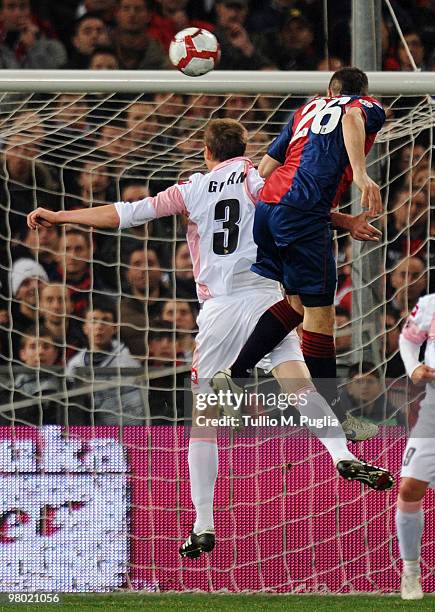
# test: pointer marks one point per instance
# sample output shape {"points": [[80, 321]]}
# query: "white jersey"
{"points": [[220, 208], [419, 327], [419, 456]]}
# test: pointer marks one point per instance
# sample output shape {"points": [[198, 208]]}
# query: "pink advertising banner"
{"points": [[97, 509]]}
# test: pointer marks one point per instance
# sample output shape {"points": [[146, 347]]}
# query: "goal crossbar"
{"points": [[154, 81]]}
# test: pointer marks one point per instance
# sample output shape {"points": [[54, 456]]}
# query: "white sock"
{"points": [[333, 437], [412, 568], [409, 526], [203, 468]]}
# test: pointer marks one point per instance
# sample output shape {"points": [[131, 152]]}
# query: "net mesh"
{"points": [[73, 150]]}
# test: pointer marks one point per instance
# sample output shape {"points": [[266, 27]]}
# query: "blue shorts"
{"points": [[296, 249]]}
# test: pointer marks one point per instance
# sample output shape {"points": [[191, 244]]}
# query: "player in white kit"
{"points": [[418, 467], [220, 209]]}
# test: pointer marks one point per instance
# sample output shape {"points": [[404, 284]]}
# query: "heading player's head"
{"points": [[350, 81], [223, 139]]}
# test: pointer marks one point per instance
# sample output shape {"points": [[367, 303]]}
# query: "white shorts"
{"points": [[224, 324], [419, 456]]}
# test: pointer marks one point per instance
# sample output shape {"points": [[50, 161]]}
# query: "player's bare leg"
{"points": [[294, 378], [203, 468], [409, 525]]}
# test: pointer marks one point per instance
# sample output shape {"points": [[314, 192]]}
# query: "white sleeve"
{"points": [[135, 213], [254, 184], [165, 203], [409, 352]]}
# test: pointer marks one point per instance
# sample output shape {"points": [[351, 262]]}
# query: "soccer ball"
{"points": [[194, 51]]}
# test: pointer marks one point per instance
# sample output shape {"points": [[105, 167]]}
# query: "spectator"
{"points": [[105, 9], [423, 180], [72, 111], [391, 325], [423, 17], [145, 296], [292, 48], [364, 394], [408, 225], [258, 143], [56, 309], [113, 405], [142, 128], [181, 315], [70, 123], [103, 58], [25, 282], [90, 32], [161, 346], [25, 39], [167, 396], [38, 348], [42, 246], [272, 14], [239, 52], [103, 108], [408, 158], [416, 47], [133, 190], [172, 17], [135, 48], [112, 141], [74, 269], [24, 182], [93, 181], [185, 286], [408, 282], [242, 108], [38, 352]]}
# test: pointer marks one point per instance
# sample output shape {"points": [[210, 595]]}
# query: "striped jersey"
{"points": [[315, 168], [219, 207]]}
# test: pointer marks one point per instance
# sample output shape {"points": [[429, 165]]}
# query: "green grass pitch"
{"points": [[218, 602]]}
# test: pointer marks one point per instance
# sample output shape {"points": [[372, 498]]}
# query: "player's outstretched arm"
{"points": [[100, 217], [121, 214], [354, 139]]}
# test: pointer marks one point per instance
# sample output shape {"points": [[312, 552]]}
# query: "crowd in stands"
{"points": [[253, 34], [61, 310]]}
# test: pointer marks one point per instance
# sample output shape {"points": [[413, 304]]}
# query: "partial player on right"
{"points": [[418, 467]]}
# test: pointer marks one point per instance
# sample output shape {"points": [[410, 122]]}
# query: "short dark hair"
{"points": [[36, 332], [102, 303], [103, 50], [91, 15], [226, 138], [85, 233], [159, 330], [352, 81]]}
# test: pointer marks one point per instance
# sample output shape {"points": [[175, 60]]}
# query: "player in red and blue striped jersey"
{"points": [[307, 168]]}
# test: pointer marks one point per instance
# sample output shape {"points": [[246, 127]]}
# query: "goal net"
{"points": [[93, 449]]}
